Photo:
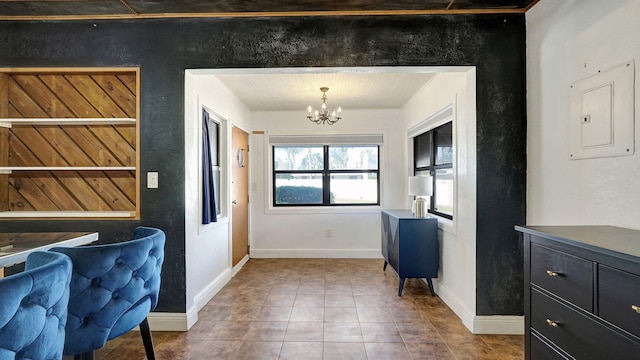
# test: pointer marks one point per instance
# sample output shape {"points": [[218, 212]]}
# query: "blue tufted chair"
{"points": [[113, 289], [33, 308]]}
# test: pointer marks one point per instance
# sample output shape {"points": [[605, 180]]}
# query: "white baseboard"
{"points": [[317, 253], [452, 301], [203, 297], [159, 321], [499, 325], [493, 324], [239, 265]]}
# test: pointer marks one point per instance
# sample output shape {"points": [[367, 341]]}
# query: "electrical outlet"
{"points": [[152, 180]]}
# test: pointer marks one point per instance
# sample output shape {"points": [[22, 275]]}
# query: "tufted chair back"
{"points": [[113, 288], [33, 308]]}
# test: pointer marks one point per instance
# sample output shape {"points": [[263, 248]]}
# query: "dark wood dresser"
{"points": [[582, 292]]}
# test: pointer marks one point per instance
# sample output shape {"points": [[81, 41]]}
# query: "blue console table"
{"points": [[410, 245]]}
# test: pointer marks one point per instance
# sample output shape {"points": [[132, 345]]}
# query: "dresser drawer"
{"points": [[578, 333], [619, 298], [567, 276], [540, 350]]}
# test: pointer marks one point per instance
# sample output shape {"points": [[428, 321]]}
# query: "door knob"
{"points": [[235, 202]]}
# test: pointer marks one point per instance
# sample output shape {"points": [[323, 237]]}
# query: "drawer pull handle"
{"points": [[552, 323], [636, 308], [552, 273]]}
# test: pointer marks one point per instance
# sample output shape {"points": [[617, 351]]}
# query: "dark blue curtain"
{"points": [[208, 191]]}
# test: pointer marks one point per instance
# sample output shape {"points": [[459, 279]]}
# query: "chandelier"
{"points": [[324, 115]]}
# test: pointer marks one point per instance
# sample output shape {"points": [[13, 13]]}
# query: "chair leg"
{"points": [[84, 356], [147, 340]]}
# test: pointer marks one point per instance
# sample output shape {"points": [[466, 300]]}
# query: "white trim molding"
{"points": [[449, 298], [239, 266], [317, 253], [498, 325], [203, 297], [492, 324], [159, 321]]}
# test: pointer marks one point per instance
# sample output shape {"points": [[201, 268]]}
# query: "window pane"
{"points": [[297, 158], [215, 170], [443, 191], [354, 188], [444, 144], [214, 130], [422, 150], [298, 189], [363, 157]]}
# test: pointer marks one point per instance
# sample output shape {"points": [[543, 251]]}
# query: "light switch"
{"points": [[152, 180]]}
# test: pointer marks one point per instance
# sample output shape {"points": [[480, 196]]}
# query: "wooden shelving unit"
{"points": [[69, 143]]}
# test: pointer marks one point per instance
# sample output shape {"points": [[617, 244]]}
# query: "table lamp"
{"points": [[420, 186]]}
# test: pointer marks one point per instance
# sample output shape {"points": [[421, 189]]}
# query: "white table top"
{"points": [[15, 247]]}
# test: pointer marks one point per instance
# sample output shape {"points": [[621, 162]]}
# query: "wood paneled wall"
{"points": [[71, 95], [4, 143]]}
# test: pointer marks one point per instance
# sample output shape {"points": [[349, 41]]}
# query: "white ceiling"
{"points": [[349, 88]]}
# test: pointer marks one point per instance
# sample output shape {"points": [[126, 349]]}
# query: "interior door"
{"points": [[239, 195]]}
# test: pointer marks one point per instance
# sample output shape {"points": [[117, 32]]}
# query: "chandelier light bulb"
{"points": [[324, 115]]}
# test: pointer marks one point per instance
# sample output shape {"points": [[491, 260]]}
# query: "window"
{"points": [[211, 166], [214, 141], [433, 155], [325, 175]]}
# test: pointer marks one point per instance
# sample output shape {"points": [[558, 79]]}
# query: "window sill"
{"points": [[307, 210], [222, 221], [445, 224]]}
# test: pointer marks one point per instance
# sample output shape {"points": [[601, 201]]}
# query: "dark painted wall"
{"points": [[164, 48]]}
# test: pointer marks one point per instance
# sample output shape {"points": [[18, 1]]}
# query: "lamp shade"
{"points": [[420, 185]]}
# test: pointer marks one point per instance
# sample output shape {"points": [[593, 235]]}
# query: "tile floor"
{"points": [[321, 309]]}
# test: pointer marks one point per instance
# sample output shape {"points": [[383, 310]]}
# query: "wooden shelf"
{"points": [[10, 169], [67, 214], [9, 122]]}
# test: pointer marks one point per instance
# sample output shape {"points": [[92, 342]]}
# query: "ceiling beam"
{"points": [[258, 14]]}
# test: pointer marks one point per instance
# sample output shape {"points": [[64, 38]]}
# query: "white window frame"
{"points": [[350, 209], [223, 143], [441, 117]]}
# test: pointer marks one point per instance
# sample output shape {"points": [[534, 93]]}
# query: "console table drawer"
{"points": [[619, 298], [565, 275], [577, 333]]}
